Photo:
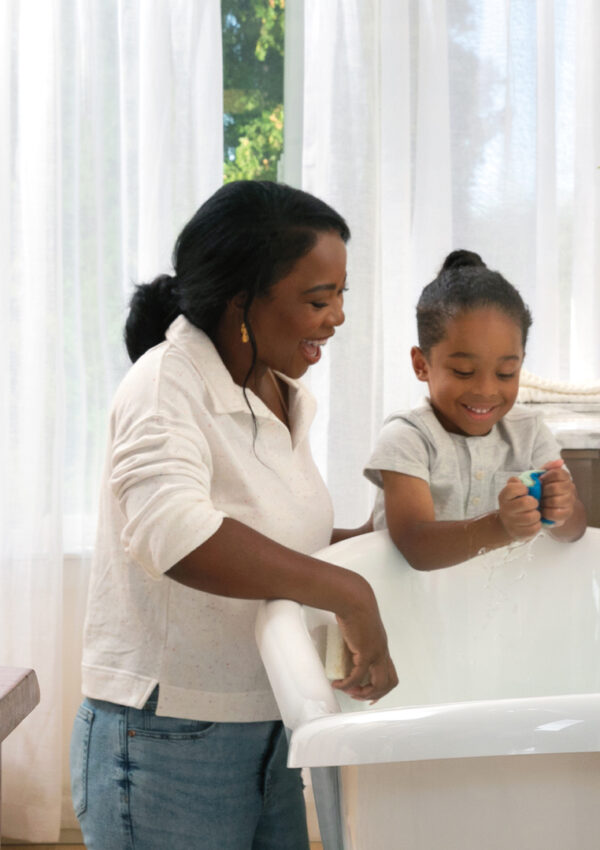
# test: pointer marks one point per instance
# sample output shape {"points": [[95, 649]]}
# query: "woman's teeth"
{"points": [[314, 343], [312, 347]]}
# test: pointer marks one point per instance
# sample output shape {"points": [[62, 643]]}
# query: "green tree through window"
{"points": [[253, 32]]}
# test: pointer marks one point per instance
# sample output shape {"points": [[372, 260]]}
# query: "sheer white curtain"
{"points": [[110, 137], [442, 124]]}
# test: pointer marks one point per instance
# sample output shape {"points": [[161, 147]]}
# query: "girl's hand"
{"points": [[558, 493], [344, 533], [519, 512], [373, 673]]}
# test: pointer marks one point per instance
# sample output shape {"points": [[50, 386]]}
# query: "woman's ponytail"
{"points": [[152, 308]]}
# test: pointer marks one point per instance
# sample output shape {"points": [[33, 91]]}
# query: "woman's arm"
{"points": [[239, 562]]}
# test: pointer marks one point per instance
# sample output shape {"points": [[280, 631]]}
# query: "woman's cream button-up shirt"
{"points": [[184, 452]]}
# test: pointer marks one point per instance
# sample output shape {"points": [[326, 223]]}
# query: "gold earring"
{"points": [[244, 333]]}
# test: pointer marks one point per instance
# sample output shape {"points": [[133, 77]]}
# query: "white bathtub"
{"points": [[491, 739]]}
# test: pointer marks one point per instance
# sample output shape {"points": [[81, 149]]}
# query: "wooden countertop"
{"points": [[19, 695]]}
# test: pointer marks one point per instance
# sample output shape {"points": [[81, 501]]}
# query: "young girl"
{"points": [[448, 469]]}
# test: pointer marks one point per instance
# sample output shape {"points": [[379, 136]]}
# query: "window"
{"points": [[253, 51]]}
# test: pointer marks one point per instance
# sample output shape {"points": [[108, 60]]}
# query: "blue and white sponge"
{"points": [[531, 479]]}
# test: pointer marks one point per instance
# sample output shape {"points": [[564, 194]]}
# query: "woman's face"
{"points": [[302, 310]]}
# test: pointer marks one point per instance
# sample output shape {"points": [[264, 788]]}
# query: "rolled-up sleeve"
{"points": [[161, 479]]}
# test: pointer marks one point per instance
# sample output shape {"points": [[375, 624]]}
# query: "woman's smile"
{"points": [[311, 348], [293, 323]]}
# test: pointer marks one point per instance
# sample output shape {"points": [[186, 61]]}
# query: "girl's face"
{"points": [[302, 310], [473, 373]]}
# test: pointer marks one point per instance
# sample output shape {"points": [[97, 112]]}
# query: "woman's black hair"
{"points": [[465, 283], [242, 240]]}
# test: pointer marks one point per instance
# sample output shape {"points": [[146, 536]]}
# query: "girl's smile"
{"points": [[473, 373]]}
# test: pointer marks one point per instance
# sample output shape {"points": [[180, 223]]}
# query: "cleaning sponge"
{"points": [[531, 479]]}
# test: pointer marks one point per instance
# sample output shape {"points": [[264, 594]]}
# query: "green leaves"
{"points": [[253, 46]]}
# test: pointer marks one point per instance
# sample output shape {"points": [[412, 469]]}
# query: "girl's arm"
{"points": [[428, 544], [242, 563]]}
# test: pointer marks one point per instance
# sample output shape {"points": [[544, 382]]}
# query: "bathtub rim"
{"points": [[311, 713], [524, 726]]}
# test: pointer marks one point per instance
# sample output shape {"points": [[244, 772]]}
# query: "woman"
{"points": [[211, 501]]}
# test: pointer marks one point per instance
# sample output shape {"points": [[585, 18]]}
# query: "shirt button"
{"points": [[479, 474], [475, 501]]}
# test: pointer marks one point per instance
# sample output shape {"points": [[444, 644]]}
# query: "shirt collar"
{"points": [[228, 397], [225, 395]]}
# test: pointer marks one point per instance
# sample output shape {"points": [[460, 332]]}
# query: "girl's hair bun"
{"points": [[459, 259], [465, 283]]}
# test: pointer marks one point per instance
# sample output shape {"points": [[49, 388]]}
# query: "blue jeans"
{"points": [[142, 782]]}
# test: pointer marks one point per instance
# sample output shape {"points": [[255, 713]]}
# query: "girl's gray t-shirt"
{"points": [[465, 474]]}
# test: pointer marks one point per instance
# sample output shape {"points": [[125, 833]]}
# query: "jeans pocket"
{"points": [[169, 728], [80, 746]]}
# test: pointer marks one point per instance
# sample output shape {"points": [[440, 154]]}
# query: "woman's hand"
{"points": [[269, 570], [372, 673], [519, 512]]}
